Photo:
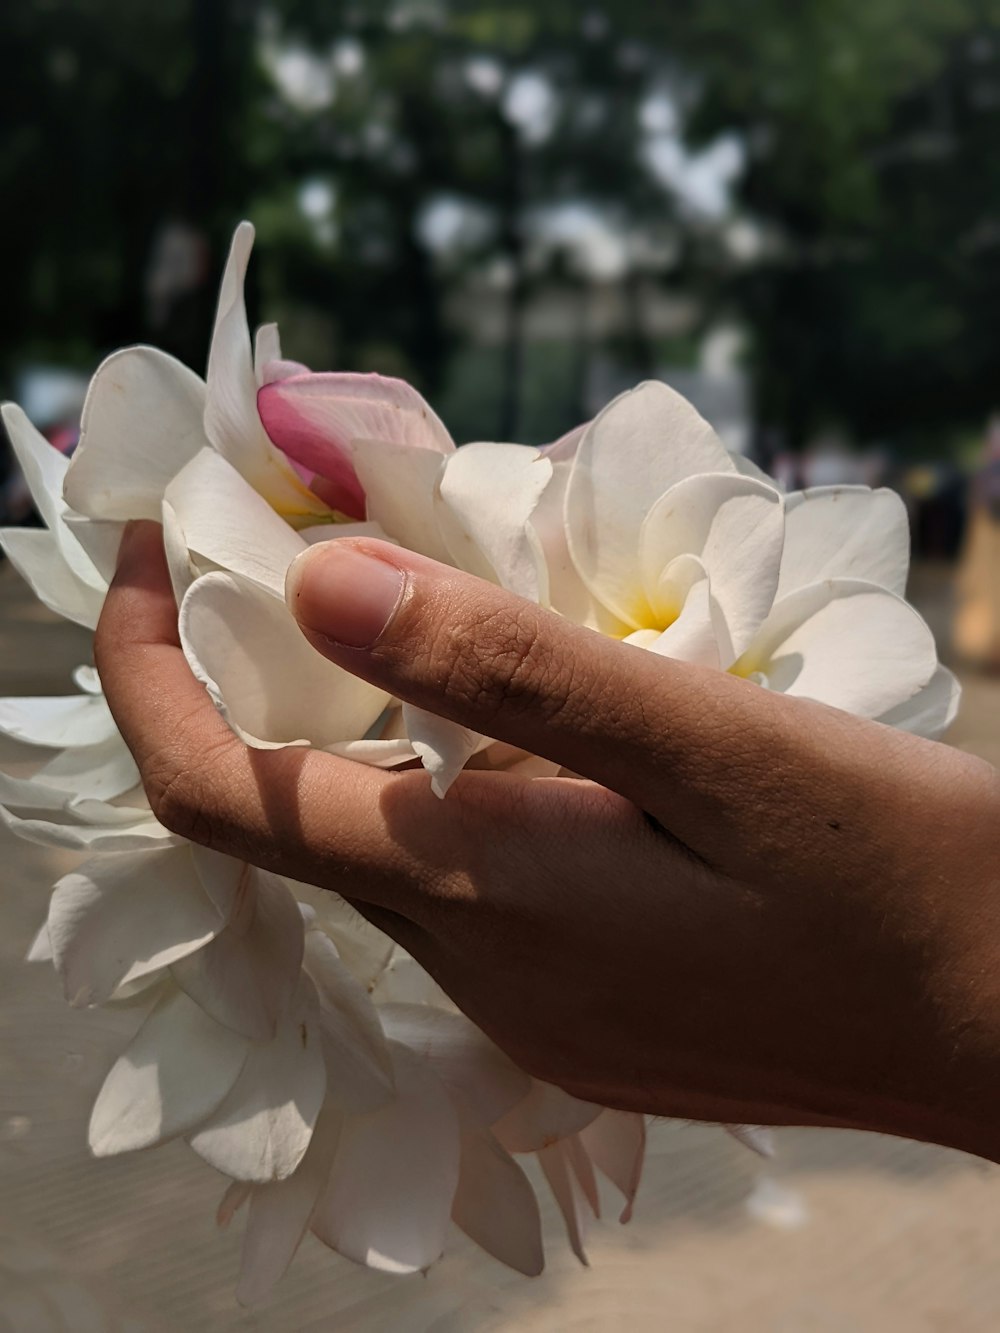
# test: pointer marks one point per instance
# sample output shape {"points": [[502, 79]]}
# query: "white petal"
{"points": [[486, 496], [40, 948], [143, 835], [495, 1205], [359, 1066], [262, 1129], [400, 486], [555, 1163], [389, 1198], [735, 527], [380, 754], [483, 1081], [931, 711], [758, 1138], [100, 772], [44, 469], [57, 721], [564, 449], [232, 423], [117, 918], [27, 794], [99, 541], [141, 423], [37, 558], [233, 1200], [695, 634], [263, 675], [247, 975], [443, 747], [266, 348], [545, 1116], [643, 443], [845, 532], [404, 981], [224, 879], [583, 1169], [364, 950], [175, 1072], [568, 594], [224, 520], [616, 1144], [41, 464], [748, 468], [280, 1212], [845, 643], [324, 532]]}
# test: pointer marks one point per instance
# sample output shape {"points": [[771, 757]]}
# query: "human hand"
{"points": [[751, 909]]}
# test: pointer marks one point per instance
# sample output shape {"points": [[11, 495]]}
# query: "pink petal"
{"points": [[313, 419]]}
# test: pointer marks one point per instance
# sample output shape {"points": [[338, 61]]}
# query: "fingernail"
{"points": [[344, 594]]}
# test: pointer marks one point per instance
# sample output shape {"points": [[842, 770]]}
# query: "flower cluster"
{"points": [[295, 1048]]}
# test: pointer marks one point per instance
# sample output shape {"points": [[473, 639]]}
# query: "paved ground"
{"points": [[850, 1233]]}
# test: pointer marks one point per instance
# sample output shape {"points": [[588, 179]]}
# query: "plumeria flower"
{"points": [[296, 1048], [293, 1046]]}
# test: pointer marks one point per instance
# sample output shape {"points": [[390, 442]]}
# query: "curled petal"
{"points": [[315, 419], [141, 423], [39, 560], [735, 527], [225, 521], [400, 486], [643, 443], [232, 423], [695, 634], [486, 496], [443, 747], [931, 711], [269, 683]]}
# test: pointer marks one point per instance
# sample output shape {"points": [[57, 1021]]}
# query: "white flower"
{"points": [[295, 1048]]}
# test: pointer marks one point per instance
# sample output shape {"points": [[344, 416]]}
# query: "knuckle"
{"points": [[180, 787], [505, 664]]}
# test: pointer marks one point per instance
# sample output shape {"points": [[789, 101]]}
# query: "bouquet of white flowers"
{"points": [[296, 1048]]}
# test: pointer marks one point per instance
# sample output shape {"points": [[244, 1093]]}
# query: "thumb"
{"points": [[669, 736]]}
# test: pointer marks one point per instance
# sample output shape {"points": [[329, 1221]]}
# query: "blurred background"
{"points": [[788, 211]]}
